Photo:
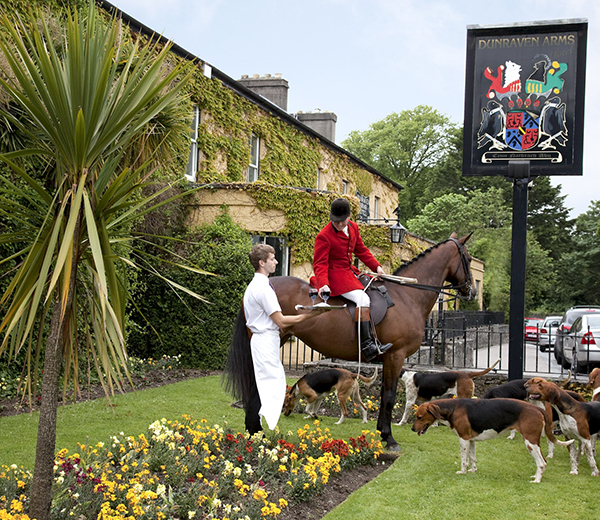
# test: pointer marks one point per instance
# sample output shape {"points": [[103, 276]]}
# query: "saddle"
{"points": [[381, 301]]}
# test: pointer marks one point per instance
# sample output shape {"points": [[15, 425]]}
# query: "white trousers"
{"points": [[270, 375], [359, 297]]}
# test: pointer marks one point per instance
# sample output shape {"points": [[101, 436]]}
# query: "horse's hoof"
{"points": [[393, 447]]}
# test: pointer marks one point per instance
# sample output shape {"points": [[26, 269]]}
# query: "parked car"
{"points": [[548, 332], [565, 326], [580, 348], [532, 328]]}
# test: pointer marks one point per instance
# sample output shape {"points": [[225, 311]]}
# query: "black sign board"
{"points": [[524, 97]]}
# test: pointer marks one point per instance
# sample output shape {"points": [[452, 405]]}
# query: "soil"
{"points": [[335, 492]]}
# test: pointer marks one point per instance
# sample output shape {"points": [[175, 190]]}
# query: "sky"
{"points": [[366, 59]]}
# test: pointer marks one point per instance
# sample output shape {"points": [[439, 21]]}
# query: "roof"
{"points": [[243, 91]]}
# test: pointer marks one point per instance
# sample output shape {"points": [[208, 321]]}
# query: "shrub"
{"points": [[178, 324]]}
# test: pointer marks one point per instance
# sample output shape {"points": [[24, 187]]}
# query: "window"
{"points": [[344, 187], [363, 214], [319, 178], [254, 143], [282, 252], [376, 208], [192, 165]]}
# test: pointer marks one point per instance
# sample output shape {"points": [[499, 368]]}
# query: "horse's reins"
{"points": [[442, 289]]}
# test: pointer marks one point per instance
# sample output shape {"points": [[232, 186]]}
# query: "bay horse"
{"points": [[333, 333]]}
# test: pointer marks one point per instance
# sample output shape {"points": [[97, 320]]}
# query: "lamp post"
{"points": [[397, 231]]}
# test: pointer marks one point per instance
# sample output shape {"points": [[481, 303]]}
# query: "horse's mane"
{"points": [[418, 257]]}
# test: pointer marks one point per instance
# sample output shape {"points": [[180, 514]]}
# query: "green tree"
{"points": [[578, 273], [548, 219], [486, 214], [83, 103], [406, 147]]}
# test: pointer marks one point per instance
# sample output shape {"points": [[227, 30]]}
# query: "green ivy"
{"points": [[292, 158]]}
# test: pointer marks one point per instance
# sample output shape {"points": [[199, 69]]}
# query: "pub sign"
{"points": [[524, 97]]}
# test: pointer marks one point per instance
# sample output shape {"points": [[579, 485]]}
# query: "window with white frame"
{"points": [[376, 207], [192, 165], [344, 187], [254, 143], [319, 178], [282, 252]]}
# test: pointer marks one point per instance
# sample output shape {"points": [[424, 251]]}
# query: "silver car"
{"points": [[548, 332], [581, 350]]}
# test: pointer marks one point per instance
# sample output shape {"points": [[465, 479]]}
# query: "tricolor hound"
{"points": [[594, 382], [483, 419], [515, 389], [316, 385], [422, 387], [578, 420]]}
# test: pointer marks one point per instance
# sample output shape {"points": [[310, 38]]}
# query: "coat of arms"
{"points": [[521, 117]]}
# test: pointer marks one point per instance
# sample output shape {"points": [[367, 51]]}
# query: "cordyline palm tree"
{"points": [[83, 104]]}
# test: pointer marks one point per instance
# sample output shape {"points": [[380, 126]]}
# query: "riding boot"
{"points": [[369, 347]]}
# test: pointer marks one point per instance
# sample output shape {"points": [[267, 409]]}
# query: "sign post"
{"points": [[524, 106], [519, 172]]}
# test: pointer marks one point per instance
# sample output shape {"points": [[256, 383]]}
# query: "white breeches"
{"points": [[359, 297]]}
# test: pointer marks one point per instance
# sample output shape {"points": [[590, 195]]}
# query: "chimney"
{"points": [[274, 88], [322, 122]]}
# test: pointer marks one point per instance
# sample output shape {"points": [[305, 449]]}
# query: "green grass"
{"points": [[420, 484]]}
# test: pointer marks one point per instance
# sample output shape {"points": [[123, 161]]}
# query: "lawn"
{"points": [[421, 484]]}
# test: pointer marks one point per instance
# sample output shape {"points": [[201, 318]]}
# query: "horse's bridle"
{"points": [[442, 289], [465, 263]]}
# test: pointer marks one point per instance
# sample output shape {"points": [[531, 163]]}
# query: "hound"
{"points": [[594, 382], [515, 389], [578, 420], [421, 387], [316, 385], [483, 419]]}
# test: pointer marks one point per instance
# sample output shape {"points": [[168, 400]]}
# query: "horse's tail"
{"points": [[238, 377]]}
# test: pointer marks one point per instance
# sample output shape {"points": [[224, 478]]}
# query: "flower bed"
{"points": [[189, 470]]}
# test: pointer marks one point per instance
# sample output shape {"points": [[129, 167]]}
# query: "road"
{"points": [[535, 361]]}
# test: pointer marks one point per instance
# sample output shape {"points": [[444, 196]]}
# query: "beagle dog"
{"points": [[515, 389], [423, 387], [483, 419], [580, 421], [316, 385], [594, 382]]}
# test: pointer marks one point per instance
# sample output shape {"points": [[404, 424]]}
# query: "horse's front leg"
{"points": [[392, 365]]}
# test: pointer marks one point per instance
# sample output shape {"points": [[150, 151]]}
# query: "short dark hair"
{"points": [[260, 252]]}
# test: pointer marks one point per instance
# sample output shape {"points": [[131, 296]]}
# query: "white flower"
{"points": [[191, 514], [161, 489]]}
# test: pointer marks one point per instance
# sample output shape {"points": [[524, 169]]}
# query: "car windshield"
{"points": [[533, 323]]}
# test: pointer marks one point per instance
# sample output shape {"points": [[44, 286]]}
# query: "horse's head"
{"points": [[461, 277]]}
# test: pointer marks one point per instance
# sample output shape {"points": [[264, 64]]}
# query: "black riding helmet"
{"points": [[340, 210]]}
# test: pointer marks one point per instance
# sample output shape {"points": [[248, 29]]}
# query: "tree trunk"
{"points": [[43, 471]]}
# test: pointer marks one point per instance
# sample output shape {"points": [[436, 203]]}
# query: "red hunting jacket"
{"points": [[332, 262]]}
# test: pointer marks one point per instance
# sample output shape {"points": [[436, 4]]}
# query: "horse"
{"points": [[333, 333]]}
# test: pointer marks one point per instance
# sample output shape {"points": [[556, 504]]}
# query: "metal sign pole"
{"points": [[519, 172]]}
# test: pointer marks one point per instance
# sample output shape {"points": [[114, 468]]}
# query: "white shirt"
{"points": [[260, 301]]}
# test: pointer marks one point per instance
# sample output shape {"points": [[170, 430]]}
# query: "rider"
{"points": [[335, 272]]}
